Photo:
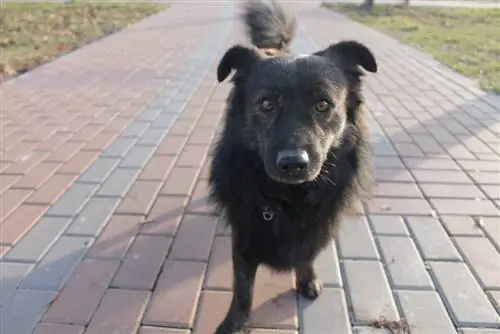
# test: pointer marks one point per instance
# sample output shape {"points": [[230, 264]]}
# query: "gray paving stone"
{"points": [[390, 225], [175, 107], [164, 122], [118, 182], [461, 225], [327, 266], [405, 266], [465, 300], [432, 240], [72, 201], [93, 216], [152, 137], [11, 275], [99, 170], [163, 100], [327, 314], [57, 265], [37, 241], [483, 259], [135, 129], [368, 291], [425, 312], [137, 157], [23, 311], [355, 240], [149, 115], [119, 148], [492, 227], [495, 298]]}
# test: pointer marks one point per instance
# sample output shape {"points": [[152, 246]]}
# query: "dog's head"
{"points": [[297, 108]]}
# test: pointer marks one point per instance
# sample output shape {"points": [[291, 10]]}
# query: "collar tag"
{"points": [[267, 214]]}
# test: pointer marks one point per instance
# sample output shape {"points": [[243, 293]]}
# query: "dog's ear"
{"points": [[239, 58], [352, 52]]}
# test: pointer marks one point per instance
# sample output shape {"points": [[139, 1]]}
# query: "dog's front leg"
{"points": [[308, 283], [237, 317]]}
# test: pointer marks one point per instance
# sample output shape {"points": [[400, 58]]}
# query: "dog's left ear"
{"points": [[240, 58], [352, 52]]}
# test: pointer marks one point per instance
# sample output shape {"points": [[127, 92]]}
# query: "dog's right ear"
{"points": [[239, 58]]}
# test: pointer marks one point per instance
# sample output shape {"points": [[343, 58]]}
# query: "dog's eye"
{"points": [[322, 106], [267, 105]]}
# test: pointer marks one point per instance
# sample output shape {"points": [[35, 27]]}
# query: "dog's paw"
{"points": [[311, 289], [224, 329]]}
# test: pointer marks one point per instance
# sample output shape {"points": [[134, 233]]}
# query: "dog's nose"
{"points": [[292, 160]]}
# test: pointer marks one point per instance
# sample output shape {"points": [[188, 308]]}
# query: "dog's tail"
{"points": [[268, 25]]}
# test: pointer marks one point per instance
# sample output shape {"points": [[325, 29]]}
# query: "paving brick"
{"points": [[356, 241], [25, 164], [451, 177], [431, 164], [70, 204], [435, 190], [137, 157], [327, 314], [192, 156], [23, 311], [165, 216], [142, 263], [492, 178], [58, 329], [406, 268], [388, 162], [50, 191], [11, 275], [18, 223], [199, 202], [119, 312], [179, 281], [100, 141], [492, 227], [327, 266], [11, 199], [479, 331], [491, 191], [38, 239], [99, 170], [38, 175], [432, 240], [368, 291], [209, 317], [393, 175], [464, 298], [119, 182], [140, 198], [78, 162], [93, 216], [119, 148], [399, 206], [472, 207], [483, 259], [157, 168], [180, 181], [220, 271], [495, 299], [182, 127], [172, 145], [87, 285], [135, 129], [116, 238], [194, 238], [371, 330], [425, 313], [56, 266], [390, 225], [461, 226], [161, 330], [394, 189], [483, 166]]}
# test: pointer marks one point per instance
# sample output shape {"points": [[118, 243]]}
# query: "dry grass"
{"points": [[467, 40], [33, 34]]}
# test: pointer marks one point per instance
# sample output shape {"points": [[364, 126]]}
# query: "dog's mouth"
{"points": [[293, 177]]}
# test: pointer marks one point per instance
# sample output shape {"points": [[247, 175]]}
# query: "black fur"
{"points": [[309, 104]]}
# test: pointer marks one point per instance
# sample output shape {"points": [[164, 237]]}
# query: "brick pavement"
{"points": [[105, 226]]}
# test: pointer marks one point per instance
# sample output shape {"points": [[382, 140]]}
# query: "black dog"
{"points": [[294, 154]]}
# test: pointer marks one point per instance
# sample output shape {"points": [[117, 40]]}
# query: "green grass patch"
{"points": [[467, 40], [33, 34]]}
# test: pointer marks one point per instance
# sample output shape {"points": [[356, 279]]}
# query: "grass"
{"points": [[33, 34], [467, 40]]}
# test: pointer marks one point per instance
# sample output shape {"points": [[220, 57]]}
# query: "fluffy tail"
{"points": [[268, 25]]}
